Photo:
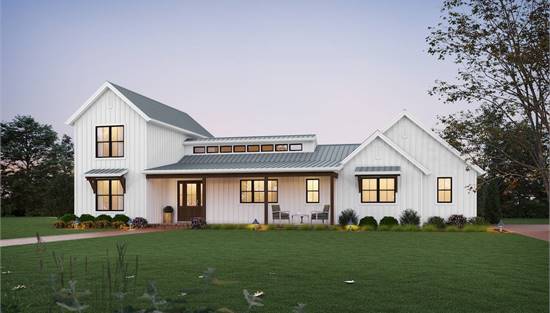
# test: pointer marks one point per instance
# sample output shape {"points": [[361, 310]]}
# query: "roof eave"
{"points": [[242, 170]]}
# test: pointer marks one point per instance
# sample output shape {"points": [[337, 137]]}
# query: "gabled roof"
{"points": [[324, 158], [151, 110], [440, 140], [393, 145]]}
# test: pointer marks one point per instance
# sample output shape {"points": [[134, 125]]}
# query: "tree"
{"points": [[37, 169], [502, 52]]}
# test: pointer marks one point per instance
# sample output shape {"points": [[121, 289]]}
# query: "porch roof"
{"points": [[106, 172], [378, 170], [324, 158]]}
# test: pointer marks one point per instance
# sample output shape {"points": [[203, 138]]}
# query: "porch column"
{"points": [[332, 178], [266, 207], [204, 196]]}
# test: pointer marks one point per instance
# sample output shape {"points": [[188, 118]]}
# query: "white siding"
{"points": [[164, 145], [223, 198], [441, 162], [378, 153], [109, 109]]}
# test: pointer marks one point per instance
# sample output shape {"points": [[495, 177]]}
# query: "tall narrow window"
{"points": [[252, 191], [110, 195], [312, 190], [378, 189], [109, 141], [444, 189]]}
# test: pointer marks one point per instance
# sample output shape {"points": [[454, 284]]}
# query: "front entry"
{"points": [[190, 200]]}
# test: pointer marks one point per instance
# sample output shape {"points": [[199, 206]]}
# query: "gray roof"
{"points": [[378, 169], [162, 112], [252, 138], [107, 172], [327, 156]]}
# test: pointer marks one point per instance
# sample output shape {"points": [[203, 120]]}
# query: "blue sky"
{"points": [[340, 69]]}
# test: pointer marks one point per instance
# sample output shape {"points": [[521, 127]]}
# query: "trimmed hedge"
{"points": [[104, 217], [388, 221], [86, 218], [68, 217], [368, 221], [121, 218]]}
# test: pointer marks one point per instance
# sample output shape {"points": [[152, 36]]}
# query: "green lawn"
{"points": [[394, 272], [19, 227], [525, 221]]}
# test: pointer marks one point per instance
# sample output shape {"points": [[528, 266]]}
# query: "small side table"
{"points": [[301, 216]]}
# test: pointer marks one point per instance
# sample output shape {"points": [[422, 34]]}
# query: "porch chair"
{"points": [[320, 215], [277, 214]]}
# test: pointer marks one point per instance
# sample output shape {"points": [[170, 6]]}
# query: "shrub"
{"points": [[436, 221], [405, 227], [121, 218], [168, 209], [68, 217], [388, 221], [368, 221], [102, 224], [457, 220], [104, 217], [347, 216], [139, 222], [59, 224], [118, 224], [86, 218], [87, 224], [430, 227], [409, 217], [478, 220]]}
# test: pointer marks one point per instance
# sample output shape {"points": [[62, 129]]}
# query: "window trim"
{"points": [[110, 195], [240, 146], [249, 146], [281, 145], [378, 177], [217, 149], [252, 191], [318, 190], [266, 147], [110, 142], [230, 149], [438, 190]]}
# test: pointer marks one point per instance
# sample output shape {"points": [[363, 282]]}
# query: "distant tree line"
{"points": [[502, 52], [37, 169]]}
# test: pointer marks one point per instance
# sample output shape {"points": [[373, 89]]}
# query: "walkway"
{"points": [[541, 231], [32, 240]]}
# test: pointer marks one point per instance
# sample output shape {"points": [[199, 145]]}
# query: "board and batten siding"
{"points": [[378, 153], [223, 198], [442, 163], [109, 109]]}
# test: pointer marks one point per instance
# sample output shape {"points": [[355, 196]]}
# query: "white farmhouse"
{"points": [[134, 156]]}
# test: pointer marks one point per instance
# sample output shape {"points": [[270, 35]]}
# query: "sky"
{"points": [[338, 69]]}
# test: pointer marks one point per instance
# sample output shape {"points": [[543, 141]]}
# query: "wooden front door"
{"points": [[190, 200]]}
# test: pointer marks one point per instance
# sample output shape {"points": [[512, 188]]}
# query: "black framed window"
{"points": [[226, 149], [110, 195], [212, 149], [252, 148], [295, 147], [444, 189], [109, 141], [239, 148], [267, 148], [312, 190], [281, 147], [378, 189], [199, 149], [252, 191]]}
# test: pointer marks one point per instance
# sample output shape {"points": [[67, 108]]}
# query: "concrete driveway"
{"points": [[541, 231]]}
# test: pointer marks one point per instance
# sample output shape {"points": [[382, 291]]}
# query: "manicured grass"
{"points": [[394, 271], [19, 227], [525, 221]]}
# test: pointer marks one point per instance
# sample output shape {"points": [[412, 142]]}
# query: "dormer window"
{"points": [[267, 148], [109, 141], [283, 147], [296, 147], [252, 148]]}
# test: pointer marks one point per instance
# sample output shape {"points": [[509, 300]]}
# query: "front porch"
{"points": [[241, 198]]}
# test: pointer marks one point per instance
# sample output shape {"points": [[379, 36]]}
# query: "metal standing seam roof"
{"points": [[378, 169], [162, 112], [328, 156], [107, 172]]}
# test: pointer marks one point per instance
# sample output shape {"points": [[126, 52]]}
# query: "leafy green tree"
{"points": [[36, 169], [502, 50]]}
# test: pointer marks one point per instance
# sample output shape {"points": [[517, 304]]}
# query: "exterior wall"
{"points": [[109, 109], [442, 163], [223, 198], [409, 187], [164, 146]]}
